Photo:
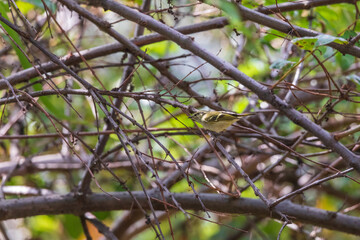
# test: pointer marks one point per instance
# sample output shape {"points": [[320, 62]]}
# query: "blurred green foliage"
{"points": [[262, 52]]}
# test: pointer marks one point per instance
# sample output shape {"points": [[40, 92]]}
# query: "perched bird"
{"points": [[217, 121]]}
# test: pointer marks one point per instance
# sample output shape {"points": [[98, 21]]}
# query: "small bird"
{"points": [[217, 121]]}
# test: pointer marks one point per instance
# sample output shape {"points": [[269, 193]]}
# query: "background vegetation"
{"points": [[95, 136]]}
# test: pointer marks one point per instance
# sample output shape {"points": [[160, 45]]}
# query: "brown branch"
{"points": [[252, 15], [74, 58], [63, 204], [300, 5], [262, 92]]}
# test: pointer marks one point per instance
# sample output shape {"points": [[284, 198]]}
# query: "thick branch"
{"points": [[62, 204]]}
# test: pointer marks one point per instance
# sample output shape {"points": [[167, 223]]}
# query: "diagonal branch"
{"points": [[252, 15], [107, 49], [263, 92]]}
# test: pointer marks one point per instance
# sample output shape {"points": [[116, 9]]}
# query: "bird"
{"points": [[217, 121]]}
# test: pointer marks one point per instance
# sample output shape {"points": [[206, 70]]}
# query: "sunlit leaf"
{"points": [[241, 104], [24, 7], [310, 43], [306, 43], [40, 4]]}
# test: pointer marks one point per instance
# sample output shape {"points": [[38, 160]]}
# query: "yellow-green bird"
{"points": [[217, 121]]}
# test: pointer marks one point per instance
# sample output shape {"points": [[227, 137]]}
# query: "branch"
{"points": [[263, 92], [64, 204], [107, 49], [252, 15], [300, 5]]}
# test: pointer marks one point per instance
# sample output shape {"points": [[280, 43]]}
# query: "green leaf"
{"points": [[281, 64], [24, 7], [349, 34], [241, 104], [4, 10], [326, 39], [160, 49], [306, 43], [72, 225], [39, 4], [43, 223], [254, 67], [310, 43], [231, 12], [345, 61]]}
